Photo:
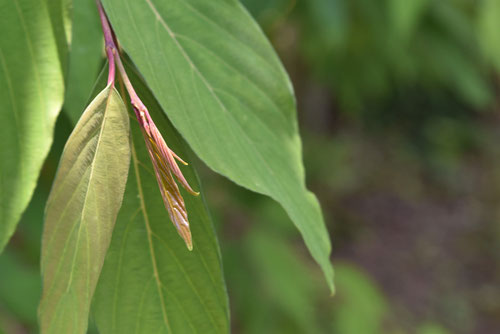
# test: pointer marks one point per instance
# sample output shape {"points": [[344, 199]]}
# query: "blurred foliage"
{"points": [[371, 53], [398, 105], [362, 307], [19, 280], [431, 328], [378, 48]]}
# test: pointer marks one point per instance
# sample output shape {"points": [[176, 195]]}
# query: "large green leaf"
{"points": [[60, 15], [81, 212], [31, 91], [225, 90], [150, 282]]}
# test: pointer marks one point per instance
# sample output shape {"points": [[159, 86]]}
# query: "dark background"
{"points": [[398, 105]]}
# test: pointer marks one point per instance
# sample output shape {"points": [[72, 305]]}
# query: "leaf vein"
{"points": [[150, 240], [188, 279]]}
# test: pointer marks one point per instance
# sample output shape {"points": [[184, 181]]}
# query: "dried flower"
{"points": [[163, 159]]}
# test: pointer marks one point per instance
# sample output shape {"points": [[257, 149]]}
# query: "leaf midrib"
{"points": [[92, 169], [151, 234], [150, 241], [234, 38], [201, 257]]}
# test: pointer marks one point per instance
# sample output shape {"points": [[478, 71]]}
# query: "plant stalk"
{"points": [[111, 49], [113, 56]]}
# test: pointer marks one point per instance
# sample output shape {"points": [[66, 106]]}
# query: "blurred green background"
{"points": [[398, 104]]}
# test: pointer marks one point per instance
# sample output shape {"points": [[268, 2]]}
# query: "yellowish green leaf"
{"points": [[81, 212]]}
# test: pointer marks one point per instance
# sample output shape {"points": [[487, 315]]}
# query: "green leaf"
{"points": [[362, 307], [405, 19], [225, 90], [274, 263], [85, 58], [60, 15], [81, 212], [31, 91], [488, 26], [431, 328], [19, 287], [151, 283]]}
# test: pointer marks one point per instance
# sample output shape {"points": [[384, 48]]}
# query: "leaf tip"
{"points": [[185, 233], [187, 239], [332, 291]]}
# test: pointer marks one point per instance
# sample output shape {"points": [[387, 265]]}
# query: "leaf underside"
{"points": [[81, 212], [225, 90]]}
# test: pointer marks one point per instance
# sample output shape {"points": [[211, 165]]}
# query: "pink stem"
{"points": [[113, 56], [111, 49], [134, 98]]}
